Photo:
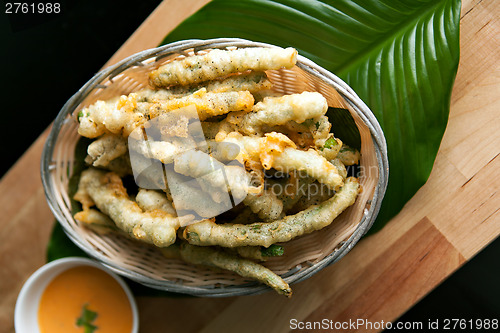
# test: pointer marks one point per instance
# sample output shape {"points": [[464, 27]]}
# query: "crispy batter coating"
{"points": [[255, 148], [115, 116], [208, 104], [97, 221], [280, 110], [260, 95], [277, 151], [341, 169], [252, 82], [264, 234], [321, 130], [188, 197], [107, 192], [300, 134], [125, 115], [214, 257], [163, 151], [150, 200], [219, 63], [105, 149], [265, 204], [331, 148], [223, 151], [310, 162], [214, 176], [348, 155]]}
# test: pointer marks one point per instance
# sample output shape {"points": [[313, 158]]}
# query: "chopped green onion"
{"points": [[331, 143]]}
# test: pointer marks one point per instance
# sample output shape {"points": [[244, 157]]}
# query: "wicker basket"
{"points": [[303, 257]]}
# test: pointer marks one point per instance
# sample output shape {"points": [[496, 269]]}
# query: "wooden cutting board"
{"points": [[451, 218]]}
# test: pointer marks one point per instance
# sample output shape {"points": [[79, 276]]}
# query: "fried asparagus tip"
{"points": [[213, 257]]}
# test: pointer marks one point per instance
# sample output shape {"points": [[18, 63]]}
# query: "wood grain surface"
{"points": [[451, 218]]}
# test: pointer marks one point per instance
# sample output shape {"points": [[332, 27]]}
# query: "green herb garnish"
{"points": [[86, 319]]}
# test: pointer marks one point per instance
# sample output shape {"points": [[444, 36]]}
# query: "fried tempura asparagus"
{"points": [[106, 190], [213, 257], [125, 115], [277, 151], [116, 116], [150, 200], [331, 148], [105, 149], [207, 104], [311, 162], [265, 204], [264, 234], [190, 198], [163, 151], [348, 155], [252, 82], [321, 130], [280, 110], [214, 175], [218, 63], [96, 221]]}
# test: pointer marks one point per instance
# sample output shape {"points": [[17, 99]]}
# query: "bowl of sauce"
{"points": [[75, 295]]}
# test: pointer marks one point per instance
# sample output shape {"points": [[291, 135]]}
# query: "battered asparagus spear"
{"points": [[213, 175], [124, 115], [105, 149], [207, 104], [277, 151], [264, 234], [106, 190], [218, 63], [214, 257], [280, 110], [252, 82]]}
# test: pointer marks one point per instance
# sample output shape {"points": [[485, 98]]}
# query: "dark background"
{"points": [[47, 58]]}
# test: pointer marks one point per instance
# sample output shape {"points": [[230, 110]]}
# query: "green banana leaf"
{"points": [[400, 56]]}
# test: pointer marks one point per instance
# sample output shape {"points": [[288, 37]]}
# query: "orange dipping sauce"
{"points": [[63, 300]]}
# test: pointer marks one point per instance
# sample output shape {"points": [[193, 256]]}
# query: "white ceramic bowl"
{"points": [[26, 313]]}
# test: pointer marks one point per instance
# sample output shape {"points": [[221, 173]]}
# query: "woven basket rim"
{"points": [[178, 47]]}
